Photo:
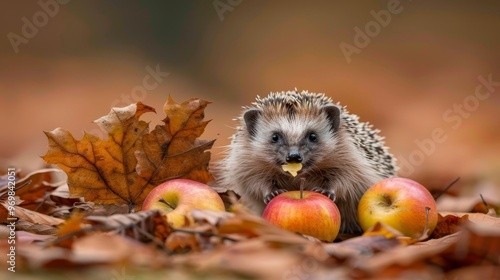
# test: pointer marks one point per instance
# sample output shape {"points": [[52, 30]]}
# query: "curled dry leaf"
{"points": [[32, 189], [34, 185], [125, 167], [34, 217], [448, 224], [35, 228], [61, 196]]}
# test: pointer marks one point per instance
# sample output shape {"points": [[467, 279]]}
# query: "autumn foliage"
{"points": [[82, 222], [123, 168]]}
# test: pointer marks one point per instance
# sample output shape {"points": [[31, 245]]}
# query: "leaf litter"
{"points": [[92, 221]]}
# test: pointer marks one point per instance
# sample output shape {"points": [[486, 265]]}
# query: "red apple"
{"points": [[400, 203], [176, 198], [312, 214]]}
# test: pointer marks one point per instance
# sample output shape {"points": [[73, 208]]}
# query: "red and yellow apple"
{"points": [[176, 198], [312, 214], [400, 203]]}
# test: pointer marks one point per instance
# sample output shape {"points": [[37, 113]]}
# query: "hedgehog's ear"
{"points": [[250, 118], [333, 114]]}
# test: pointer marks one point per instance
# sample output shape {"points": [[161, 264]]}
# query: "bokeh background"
{"points": [[90, 55]]}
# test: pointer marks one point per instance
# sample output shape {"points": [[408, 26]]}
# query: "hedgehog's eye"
{"points": [[275, 137], [312, 137]]}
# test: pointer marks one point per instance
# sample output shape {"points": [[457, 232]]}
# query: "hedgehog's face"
{"points": [[279, 139]]}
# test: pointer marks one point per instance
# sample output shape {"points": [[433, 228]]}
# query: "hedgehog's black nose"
{"points": [[294, 157]]}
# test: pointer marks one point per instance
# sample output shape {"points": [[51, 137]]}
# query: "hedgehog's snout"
{"points": [[294, 157]]}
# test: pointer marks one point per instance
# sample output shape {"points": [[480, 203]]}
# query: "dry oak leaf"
{"points": [[125, 167], [173, 150]]}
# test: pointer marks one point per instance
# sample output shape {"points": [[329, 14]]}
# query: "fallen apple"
{"points": [[305, 212], [176, 198], [400, 203]]}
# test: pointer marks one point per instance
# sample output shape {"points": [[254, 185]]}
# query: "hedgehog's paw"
{"points": [[330, 194], [273, 194]]}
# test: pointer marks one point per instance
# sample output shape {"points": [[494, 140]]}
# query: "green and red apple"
{"points": [[308, 213], [400, 203], [176, 198]]}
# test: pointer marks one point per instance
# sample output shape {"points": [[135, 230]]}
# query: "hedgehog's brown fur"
{"points": [[347, 157]]}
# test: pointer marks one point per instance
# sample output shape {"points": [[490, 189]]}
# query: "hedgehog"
{"points": [[340, 156]]}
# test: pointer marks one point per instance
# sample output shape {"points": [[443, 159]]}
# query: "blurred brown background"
{"points": [[77, 59]]}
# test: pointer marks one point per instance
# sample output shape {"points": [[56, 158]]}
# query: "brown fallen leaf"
{"points": [[381, 237], [34, 217], [125, 167], [29, 237], [35, 228], [7, 212], [61, 196], [138, 225], [256, 259], [33, 189], [489, 217], [182, 242], [143, 226], [475, 272], [32, 186], [108, 248], [388, 232], [103, 171], [173, 150], [246, 224], [478, 243], [210, 216], [447, 225], [88, 251], [394, 263], [360, 246], [72, 226]]}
